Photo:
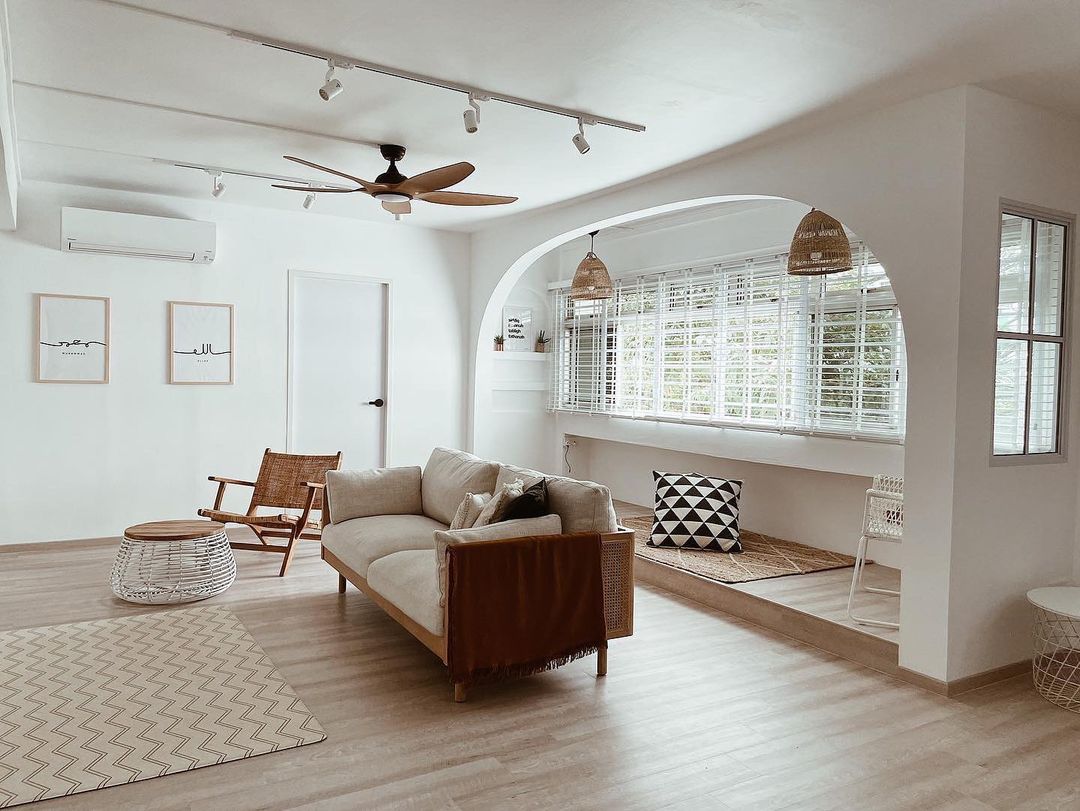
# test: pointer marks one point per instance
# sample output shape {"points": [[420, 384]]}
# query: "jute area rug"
{"points": [[94, 704], [762, 557]]}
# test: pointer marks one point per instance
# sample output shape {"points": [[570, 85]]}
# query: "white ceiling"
{"points": [[702, 75]]}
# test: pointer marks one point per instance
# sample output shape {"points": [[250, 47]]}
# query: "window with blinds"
{"points": [[1030, 334], [738, 342]]}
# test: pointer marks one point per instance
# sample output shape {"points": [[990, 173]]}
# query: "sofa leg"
{"points": [[341, 581], [460, 690], [601, 661]]}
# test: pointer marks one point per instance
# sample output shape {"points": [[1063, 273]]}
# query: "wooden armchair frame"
{"points": [[285, 481]]}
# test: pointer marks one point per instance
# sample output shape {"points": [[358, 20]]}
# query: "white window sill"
{"points": [[824, 453]]}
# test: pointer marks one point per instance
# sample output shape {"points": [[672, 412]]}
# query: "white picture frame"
{"points": [[201, 343], [72, 343], [518, 329]]}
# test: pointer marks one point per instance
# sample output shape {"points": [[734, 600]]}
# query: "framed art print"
{"points": [[517, 328], [72, 339], [200, 343]]}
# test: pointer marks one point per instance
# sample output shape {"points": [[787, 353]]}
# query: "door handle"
{"points": [[379, 403]]}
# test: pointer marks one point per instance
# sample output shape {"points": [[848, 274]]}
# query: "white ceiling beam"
{"points": [[9, 145], [146, 105]]}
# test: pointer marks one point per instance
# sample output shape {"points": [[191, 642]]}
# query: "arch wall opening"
{"points": [[823, 475]]}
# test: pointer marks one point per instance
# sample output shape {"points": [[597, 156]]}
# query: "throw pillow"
{"points": [[493, 510], [469, 510], [700, 512], [532, 503], [518, 528]]}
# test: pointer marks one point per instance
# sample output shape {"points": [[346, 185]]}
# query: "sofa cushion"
{"points": [[518, 528], [362, 540], [386, 491], [409, 580], [448, 476], [532, 503], [494, 509], [469, 510], [583, 506]]}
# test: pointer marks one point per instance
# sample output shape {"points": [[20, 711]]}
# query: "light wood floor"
{"points": [[699, 711], [823, 594]]}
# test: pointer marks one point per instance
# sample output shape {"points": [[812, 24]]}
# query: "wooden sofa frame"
{"points": [[617, 563]]}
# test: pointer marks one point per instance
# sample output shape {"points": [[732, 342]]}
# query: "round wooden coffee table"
{"points": [[173, 562]]}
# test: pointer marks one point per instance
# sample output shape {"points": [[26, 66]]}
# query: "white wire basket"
{"points": [[182, 571], [1055, 662]]}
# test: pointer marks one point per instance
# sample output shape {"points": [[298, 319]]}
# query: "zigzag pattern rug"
{"points": [[95, 704]]}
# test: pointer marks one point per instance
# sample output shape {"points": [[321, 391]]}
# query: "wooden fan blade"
{"points": [[437, 178], [459, 198], [398, 208], [315, 189], [365, 183]]}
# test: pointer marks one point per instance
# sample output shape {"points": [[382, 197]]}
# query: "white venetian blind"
{"points": [[738, 342]]}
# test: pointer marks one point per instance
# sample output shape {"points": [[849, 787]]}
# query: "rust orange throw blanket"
{"points": [[523, 606]]}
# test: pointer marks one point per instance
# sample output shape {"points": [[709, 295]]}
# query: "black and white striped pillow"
{"points": [[697, 512]]}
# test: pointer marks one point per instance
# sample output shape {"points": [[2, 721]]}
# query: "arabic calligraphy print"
{"points": [[72, 340], [200, 343]]}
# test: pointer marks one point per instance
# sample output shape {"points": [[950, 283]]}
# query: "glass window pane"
{"points": [[1049, 274], [1045, 364], [1014, 274], [1010, 396]]}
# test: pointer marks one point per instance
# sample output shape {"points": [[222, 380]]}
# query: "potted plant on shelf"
{"points": [[500, 341], [542, 340]]}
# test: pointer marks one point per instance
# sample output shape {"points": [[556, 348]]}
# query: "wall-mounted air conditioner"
{"points": [[111, 233]]}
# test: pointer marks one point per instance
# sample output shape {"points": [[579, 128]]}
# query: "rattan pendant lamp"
{"points": [[591, 279], [819, 247]]}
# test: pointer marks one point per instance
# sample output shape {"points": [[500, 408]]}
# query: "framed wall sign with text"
{"points": [[201, 343], [72, 339], [518, 328]]}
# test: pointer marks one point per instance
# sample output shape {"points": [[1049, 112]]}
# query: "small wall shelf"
{"points": [[521, 356]]}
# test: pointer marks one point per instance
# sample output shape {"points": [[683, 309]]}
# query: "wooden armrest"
{"points": [[223, 480]]}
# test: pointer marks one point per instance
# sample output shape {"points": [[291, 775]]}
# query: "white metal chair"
{"points": [[883, 520]]}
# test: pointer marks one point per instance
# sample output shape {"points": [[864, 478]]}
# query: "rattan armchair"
{"points": [[286, 481]]}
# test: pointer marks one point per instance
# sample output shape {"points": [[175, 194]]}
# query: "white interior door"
{"points": [[337, 367]]}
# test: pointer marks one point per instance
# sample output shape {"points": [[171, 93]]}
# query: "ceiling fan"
{"points": [[396, 191]]}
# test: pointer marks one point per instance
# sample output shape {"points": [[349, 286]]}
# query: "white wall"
{"points": [[88, 460], [1014, 526], [520, 381], [9, 170], [895, 177], [808, 506]]}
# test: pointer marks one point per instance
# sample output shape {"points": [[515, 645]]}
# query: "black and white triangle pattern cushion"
{"points": [[699, 512]]}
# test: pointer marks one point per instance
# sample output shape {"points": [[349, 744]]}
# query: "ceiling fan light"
{"points": [[819, 246], [391, 197]]}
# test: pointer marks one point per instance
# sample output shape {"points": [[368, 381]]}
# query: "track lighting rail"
{"points": [[348, 62], [222, 170]]}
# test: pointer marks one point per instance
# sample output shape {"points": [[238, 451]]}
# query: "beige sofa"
{"points": [[386, 532]]}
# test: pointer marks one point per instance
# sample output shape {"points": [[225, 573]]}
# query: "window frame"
{"points": [[868, 298], [1030, 338]]}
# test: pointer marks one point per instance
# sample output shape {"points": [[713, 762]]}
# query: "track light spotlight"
{"points": [[217, 187], [309, 201], [579, 140], [472, 115], [332, 86]]}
